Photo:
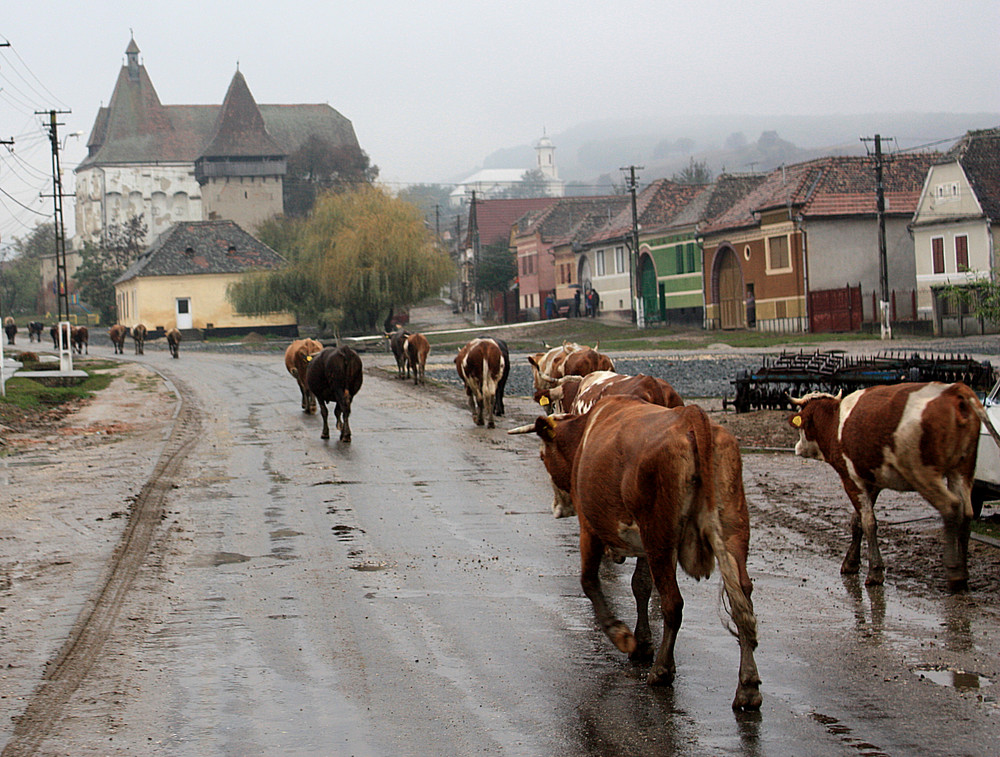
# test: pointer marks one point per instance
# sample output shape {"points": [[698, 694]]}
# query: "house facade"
{"points": [[807, 230], [175, 163], [956, 226], [181, 280]]}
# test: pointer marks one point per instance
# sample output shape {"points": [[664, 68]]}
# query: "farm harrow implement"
{"points": [[796, 374]]}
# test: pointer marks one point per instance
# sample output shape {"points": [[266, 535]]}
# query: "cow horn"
{"points": [[530, 428], [568, 379], [797, 401]]}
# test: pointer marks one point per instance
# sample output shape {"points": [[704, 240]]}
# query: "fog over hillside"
{"points": [[591, 154]]}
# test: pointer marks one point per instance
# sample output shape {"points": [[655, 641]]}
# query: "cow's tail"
{"points": [[980, 412], [736, 604]]}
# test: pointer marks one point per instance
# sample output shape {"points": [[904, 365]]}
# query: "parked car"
{"points": [[987, 484]]}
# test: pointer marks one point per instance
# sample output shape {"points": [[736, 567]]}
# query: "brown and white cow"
{"points": [[580, 394], [297, 356], [417, 348], [35, 330], [482, 365], [335, 375], [139, 337], [664, 485], [81, 339], [174, 342], [117, 334], [397, 344], [547, 367], [906, 437]]}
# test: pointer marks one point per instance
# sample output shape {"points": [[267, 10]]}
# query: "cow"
{"points": [[547, 367], [297, 357], [117, 334], [664, 485], [81, 339], [10, 329], [585, 361], [417, 348], [397, 343], [498, 409], [579, 394], [482, 365], [335, 375], [139, 337], [174, 342], [919, 437], [35, 331]]}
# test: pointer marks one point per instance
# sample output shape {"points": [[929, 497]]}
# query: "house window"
{"points": [[619, 260], [691, 252], [600, 262], [679, 259], [937, 254], [962, 253], [778, 259]]}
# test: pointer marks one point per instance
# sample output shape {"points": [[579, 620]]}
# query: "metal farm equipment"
{"points": [[797, 374]]}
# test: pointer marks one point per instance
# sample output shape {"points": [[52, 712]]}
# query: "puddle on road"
{"points": [[227, 558], [956, 679], [367, 567], [284, 533], [345, 533]]}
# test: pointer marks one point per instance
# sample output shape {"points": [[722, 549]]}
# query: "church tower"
{"points": [[241, 169], [546, 156]]}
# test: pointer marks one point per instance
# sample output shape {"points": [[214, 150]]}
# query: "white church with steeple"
{"points": [[493, 183]]}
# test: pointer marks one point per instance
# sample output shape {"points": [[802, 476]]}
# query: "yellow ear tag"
{"points": [[543, 401], [797, 421]]}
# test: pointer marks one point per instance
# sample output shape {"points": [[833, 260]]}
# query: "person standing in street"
{"points": [[576, 303]]}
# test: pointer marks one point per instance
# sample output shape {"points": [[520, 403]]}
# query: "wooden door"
{"points": [[731, 311]]}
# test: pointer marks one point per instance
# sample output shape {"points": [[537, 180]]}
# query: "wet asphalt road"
{"points": [[410, 594]]}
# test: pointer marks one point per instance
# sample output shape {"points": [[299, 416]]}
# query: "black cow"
{"points": [[35, 330], [10, 329], [498, 400], [335, 375], [397, 343]]}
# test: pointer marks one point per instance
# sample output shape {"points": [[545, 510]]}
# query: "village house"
{"points": [[956, 229], [800, 252], [181, 281]]}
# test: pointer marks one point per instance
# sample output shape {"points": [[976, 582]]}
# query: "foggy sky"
{"points": [[432, 88]]}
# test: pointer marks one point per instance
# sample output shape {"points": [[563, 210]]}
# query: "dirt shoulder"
{"points": [[68, 477]]}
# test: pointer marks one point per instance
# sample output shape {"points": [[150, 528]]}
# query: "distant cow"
{"points": [[905, 437], [580, 394], [397, 343], [335, 375], [35, 331], [174, 342], [481, 365], [10, 329], [585, 361], [81, 339], [664, 485], [117, 334], [297, 357], [139, 337], [417, 348]]}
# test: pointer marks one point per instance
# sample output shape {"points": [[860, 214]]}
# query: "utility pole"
{"points": [[633, 256], [883, 264], [62, 277]]}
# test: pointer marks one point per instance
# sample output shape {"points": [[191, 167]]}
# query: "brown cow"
{"points": [[547, 367], [586, 361], [664, 485], [139, 337], [117, 334], [297, 357], [482, 366], [905, 437], [335, 375], [81, 339], [174, 342], [580, 394], [417, 348]]}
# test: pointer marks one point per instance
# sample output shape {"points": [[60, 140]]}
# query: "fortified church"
{"points": [[175, 163]]}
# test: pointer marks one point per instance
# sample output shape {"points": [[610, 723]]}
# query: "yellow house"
{"points": [[181, 280]]}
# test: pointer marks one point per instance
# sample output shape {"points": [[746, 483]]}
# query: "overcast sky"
{"points": [[434, 87]]}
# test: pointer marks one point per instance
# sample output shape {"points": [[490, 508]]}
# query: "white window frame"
{"points": [[767, 254], [599, 261], [620, 259]]}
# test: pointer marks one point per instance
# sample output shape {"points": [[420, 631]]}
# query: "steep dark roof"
{"points": [[978, 152], [656, 206], [136, 128], [572, 218], [201, 247], [239, 127]]}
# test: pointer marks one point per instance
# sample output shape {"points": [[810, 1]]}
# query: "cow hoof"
{"points": [[875, 578], [747, 698], [622, 637], [325, 435], [660, 677], [346, 439], [958, 585], [643, 652], [491, 424]]}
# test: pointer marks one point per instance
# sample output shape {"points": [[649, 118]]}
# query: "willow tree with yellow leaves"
{"points": [[357, 255]]}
